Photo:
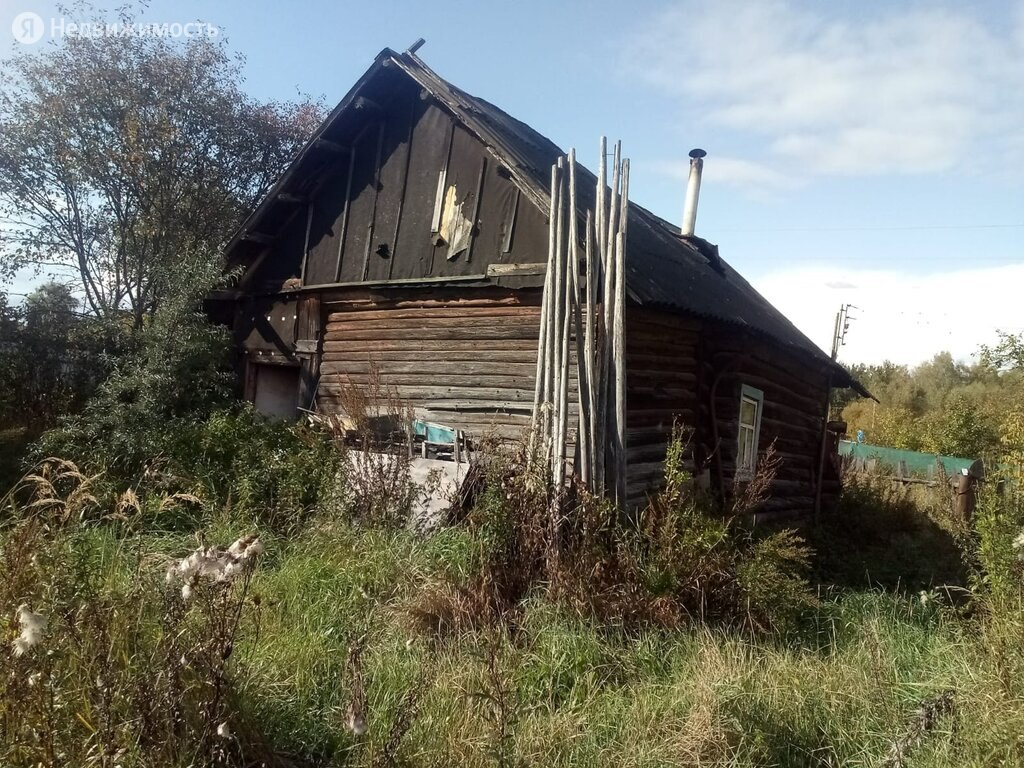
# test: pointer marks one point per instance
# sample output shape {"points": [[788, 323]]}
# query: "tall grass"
{"points": [[322, 654]]}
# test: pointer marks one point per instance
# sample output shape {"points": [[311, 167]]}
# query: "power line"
{"points": [[895, 228]]}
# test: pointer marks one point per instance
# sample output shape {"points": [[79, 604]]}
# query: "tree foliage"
{"points": [[179, 371], [944, 406], [120, 156], [1007, 354], [52, 356]]}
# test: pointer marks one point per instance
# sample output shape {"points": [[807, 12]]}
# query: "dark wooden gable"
{"points": [[402, 191]]}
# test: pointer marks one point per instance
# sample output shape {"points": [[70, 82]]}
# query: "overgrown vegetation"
{"points": [[945, 406], [321, 652], [677, 561]]}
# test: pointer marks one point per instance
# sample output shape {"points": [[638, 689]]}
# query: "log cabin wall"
{"points": [[466, 358], [462, 358], [662, 388], [676, 362], [793, 413]]}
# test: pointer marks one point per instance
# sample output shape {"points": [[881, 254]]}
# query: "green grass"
{"points": [[552, 688], [837, 693]]}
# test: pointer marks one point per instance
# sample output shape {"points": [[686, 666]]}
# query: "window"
{"points": [[751, 403]]}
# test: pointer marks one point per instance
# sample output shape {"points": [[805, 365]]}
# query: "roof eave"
{"points": [[295, 165]]}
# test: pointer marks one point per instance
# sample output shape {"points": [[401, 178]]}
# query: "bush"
{"points": [[998, 544], [234, 462], [272, 473], [888, 535]]}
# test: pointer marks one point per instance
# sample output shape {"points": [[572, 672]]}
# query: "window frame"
{"points": [[756, 396]]}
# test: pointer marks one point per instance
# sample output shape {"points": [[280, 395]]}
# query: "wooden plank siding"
{"points": [[370, 207]]}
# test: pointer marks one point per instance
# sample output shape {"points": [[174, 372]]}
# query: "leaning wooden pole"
{"points": [[606, 405], [619, 346], [540, 390], [550, 320], [563, 397], [601, 212], [588, 345], [557, 298], [582, 380], [600, 364]]}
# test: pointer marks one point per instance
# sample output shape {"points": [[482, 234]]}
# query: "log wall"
{"points": [[793, 412], [466, 359], [662, 386]]}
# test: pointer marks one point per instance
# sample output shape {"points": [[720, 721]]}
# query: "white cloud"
{"points": [[901, 89], [903, 317]]}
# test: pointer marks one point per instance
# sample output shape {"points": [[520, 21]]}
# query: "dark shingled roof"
{"points": [[663, 269]]}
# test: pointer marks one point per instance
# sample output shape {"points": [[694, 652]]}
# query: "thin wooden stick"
{"points": [[582, 378], [539, 389], [559, 306], [563, 395], [601, 214], [588, 344], [619, 351], [550, 362], [608, 428]]}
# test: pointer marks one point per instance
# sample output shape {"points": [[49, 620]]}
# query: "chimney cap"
{"points": [[697, 153]]}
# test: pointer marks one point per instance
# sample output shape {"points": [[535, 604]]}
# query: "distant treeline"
{"points": [[943, 406]]}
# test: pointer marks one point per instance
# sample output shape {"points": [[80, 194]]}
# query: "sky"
{"points": [[863, 152]]}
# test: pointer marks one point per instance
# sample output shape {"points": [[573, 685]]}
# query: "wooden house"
{"points": [[410, 237]]}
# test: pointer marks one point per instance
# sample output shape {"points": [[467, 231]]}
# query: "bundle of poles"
{"points": [[590, 317]]}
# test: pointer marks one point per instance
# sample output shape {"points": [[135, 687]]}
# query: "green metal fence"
{"points": [[865, 456]]}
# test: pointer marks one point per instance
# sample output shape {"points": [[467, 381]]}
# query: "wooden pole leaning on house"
{"points": [[540, 427], [606, 425], [599, 366], [588, 347], [561, 367], [619, 343], [553, 326], [594, 317], [582, 354]]}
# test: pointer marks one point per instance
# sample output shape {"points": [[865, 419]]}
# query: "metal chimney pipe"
{"points": [[692, 191]]}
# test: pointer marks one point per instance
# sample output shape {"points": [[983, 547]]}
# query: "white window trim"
{"points": [[756, 395]]}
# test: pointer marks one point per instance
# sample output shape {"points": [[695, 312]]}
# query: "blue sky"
{"points": [[864, 152]]}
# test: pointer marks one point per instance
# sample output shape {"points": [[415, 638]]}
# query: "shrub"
{"points": [[235, 461], [890, 535], [998, 541], [273, 473], [372, 432]]}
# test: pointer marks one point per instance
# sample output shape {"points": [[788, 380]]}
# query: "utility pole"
{"points": [[838, 339], [841, 327]]}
